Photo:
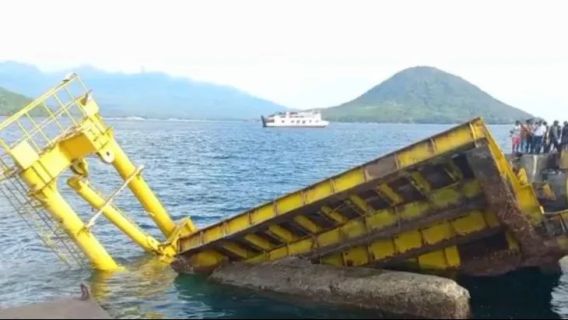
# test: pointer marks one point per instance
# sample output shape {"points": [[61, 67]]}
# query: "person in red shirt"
{"points": [[526, 137]]}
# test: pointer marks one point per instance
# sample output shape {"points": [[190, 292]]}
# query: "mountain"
{"points": [[424, 95], [146, 94], [11, 101]]}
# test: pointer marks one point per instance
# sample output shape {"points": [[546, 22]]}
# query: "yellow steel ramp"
{"points": [[434, 205]]}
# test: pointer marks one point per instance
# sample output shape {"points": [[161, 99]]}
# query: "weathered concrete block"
{"points": [[59, 309], [393, 292], [534, 165]]}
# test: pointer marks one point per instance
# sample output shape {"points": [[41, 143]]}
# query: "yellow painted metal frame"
{"points": [[209, 247], [81, 132]]}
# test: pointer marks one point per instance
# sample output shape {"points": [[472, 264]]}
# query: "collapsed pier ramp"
{"points": [[449, 202]]}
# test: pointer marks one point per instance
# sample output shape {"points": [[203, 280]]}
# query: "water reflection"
{"points": [[135, 291]]}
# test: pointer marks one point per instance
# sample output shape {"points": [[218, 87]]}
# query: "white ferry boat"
{"points": [[305, 119]]}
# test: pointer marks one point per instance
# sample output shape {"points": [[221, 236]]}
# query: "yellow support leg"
{"points": [[142, 239], [76, 229], [140, 189]]}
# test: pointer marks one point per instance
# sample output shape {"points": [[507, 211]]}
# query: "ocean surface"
{"points": [[211, 170]]}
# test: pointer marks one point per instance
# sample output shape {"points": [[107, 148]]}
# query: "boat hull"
{"points": [[272, 125], [266, 123]]}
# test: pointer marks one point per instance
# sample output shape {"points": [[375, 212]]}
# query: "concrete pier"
{"points": [[67, 308], [392, 292], [58, 309]]}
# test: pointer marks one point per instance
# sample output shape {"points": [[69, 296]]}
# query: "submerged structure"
{"points": [[451, 203]]}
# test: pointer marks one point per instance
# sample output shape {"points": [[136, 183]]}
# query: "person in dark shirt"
{"points": [[555, 136], [564, 136]]}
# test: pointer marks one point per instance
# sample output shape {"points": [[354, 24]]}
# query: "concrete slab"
{"points": [[390, 292]]}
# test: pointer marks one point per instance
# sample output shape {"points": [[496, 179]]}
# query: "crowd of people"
{"points": [[536, 136]]}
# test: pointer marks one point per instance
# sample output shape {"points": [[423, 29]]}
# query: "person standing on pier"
{"points": [[555, 135], [526, 137], [564, 139], [546, 138], [538, 137], [516, 137]]}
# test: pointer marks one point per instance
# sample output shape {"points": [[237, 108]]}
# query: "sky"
{"points": [[305, 54]]}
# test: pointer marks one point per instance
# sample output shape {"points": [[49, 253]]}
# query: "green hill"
{"points": [[424, 95], [11, 102]]}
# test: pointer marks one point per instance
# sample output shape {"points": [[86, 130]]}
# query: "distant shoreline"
{"points": [[257, 120], [173, 119]]}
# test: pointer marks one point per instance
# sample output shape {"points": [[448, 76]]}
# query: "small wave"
{"points": [[181, 120], [135, 118]]}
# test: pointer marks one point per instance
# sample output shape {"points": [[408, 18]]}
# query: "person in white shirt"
{"points": [[538, 136]]}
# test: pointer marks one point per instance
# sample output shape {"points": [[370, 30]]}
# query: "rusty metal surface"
{"points": [[429, 218], [501, 200], [472, 237]]}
